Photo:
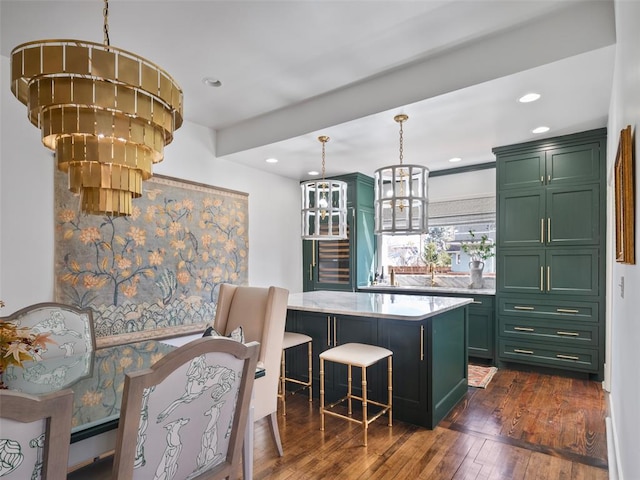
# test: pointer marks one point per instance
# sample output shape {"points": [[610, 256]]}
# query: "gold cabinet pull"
{"points": [[541, 178], [548, 278], [568, 334], [549, 230], [518, 350], [567, 357], [421, 342], [519, 307], [477, 302], [542, 230], [335, 328], [549, 178], [542, 279], [328, 330], [567, 310], [524, 329]]}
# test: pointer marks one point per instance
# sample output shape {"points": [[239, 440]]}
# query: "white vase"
{"points": [[475, 268]]}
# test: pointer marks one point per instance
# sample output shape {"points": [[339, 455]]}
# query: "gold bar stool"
{"points": [[291, 340], [363, 356]]}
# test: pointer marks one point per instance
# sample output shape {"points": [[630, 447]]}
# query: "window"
{"points": [[449, 226]]}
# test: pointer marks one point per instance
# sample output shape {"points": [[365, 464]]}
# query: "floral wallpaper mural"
{"points": [[157, 271]]}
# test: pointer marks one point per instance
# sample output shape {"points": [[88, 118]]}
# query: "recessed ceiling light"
{"points": [[455, 159], [271, 160], [313, 172], [529, 97], [540, 130], [212, 82]]}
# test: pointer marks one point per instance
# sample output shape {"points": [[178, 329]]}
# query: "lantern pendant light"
{"points": [[324, 206], [107, 113], [401, 196]]}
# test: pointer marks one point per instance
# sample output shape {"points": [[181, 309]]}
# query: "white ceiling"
{"points": [[293, 70]]}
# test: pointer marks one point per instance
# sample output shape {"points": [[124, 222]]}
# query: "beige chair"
{"points": [[261, 312], [71, 328], [35, 434], [185, 417]]}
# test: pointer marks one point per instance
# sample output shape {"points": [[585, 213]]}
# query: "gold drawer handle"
{"points": [[518, 307], [567, 310], [524, 329], [477, 302], [569, 334], [567, 357], [528, 352]]}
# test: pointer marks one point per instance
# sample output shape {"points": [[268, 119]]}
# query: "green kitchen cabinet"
{"points": [[344, 264], [429, 361], [551, 252], [550, 216]]}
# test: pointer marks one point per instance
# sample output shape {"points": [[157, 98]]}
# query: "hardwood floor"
{"points": [[522, 426]]}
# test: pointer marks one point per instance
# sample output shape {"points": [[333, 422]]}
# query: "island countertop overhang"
{"points": [[375, 305]]}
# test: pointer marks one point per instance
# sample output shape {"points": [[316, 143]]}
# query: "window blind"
{"points": [[462, 212]]}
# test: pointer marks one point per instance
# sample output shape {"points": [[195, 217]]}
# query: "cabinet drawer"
{"points": [[482, 301], [562, 310], [566, 333], [570, 358]]}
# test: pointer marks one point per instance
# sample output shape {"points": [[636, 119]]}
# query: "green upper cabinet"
{"points": [[564, 215], [549, 165], [344, 264]]}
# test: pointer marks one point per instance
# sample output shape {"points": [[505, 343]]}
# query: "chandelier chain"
{"points": [[323, 144], [401, 142], [105, 14]]}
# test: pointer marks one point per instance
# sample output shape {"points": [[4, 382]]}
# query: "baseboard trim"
{"points": [[612, 443]]}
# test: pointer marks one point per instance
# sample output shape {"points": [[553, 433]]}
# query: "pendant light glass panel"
{"points": [[324, 210], [401, 205]]}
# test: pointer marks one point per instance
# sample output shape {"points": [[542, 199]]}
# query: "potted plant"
{"points": [[478, 251], [434, 255]]}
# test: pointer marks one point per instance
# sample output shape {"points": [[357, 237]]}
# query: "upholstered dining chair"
{"points": [[261, 312], [185, 416], [35, 435], [71, 328]]}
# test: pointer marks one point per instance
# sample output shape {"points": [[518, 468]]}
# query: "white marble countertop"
{"points": [[376, 305], [430, 290]]}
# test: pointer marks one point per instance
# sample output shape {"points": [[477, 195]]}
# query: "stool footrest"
{"points": [[385, 409]]}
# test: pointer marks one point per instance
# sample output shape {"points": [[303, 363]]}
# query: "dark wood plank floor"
{"points": [[522, 426]]}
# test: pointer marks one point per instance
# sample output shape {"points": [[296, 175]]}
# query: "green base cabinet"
{"points": [[481, 328], [344, 265], [551, 252], [429, 361]]}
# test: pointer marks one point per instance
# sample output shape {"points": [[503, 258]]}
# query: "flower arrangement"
{"points": [[18, 344], [479, 250]]}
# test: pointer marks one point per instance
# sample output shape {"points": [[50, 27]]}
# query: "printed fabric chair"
{"points": [[71, 328], [185, 416], [261, 312], [35, 434]]}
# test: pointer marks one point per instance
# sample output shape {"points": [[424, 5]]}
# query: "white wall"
{"points": [[26, 205], [624, 321], [480, 183]]}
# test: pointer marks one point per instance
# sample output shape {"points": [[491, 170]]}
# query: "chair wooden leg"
{"points": [[349, 391], [390, 388], [275, 432]]}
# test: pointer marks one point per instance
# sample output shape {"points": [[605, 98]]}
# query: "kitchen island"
{"points": [[427, 335]]}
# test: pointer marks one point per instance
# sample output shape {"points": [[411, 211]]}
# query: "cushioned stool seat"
{"points": [[363, 356], [291, 340]]}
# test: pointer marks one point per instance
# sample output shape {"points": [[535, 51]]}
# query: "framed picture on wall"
{"points": [[625, 199]]}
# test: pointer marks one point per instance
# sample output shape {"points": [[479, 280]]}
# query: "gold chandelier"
{"points": [[106, 112]]}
